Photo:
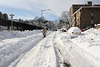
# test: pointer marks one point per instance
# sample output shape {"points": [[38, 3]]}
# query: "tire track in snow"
{"points": [[71, 56], [47, 49], [42, 55], [62, 62], [28, 59]]}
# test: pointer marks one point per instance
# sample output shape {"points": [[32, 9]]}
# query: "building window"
{"points": [[92, 14], [92, 21]]}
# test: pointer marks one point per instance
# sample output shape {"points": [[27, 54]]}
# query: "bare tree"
{"points": [[64, 20], [65, 16], [51, 25], [56, 22], [61, 24]]}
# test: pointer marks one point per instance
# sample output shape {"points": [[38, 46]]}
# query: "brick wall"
{"points": [[97, 15], [85, 17]]}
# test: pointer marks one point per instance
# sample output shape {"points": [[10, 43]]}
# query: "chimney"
{"points": [[89, 3]]}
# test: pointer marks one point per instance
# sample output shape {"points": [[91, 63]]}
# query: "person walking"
{"points": [[44, 32]]}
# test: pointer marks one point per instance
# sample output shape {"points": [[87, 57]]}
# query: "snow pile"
{"points": [[5, 35], [82, 51], [11, 49], [25, 33], [2, 28], [89, 45]]}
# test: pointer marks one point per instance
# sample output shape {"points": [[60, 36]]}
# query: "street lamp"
{"points": [[11, 21], [42, 12]]}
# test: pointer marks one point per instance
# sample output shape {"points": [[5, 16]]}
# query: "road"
{"points": [[56, 50]]}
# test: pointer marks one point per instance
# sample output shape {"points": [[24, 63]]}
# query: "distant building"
{"points": [[84, 15]]}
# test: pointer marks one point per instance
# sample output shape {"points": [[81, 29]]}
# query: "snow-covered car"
{"points": [[74, 31]]}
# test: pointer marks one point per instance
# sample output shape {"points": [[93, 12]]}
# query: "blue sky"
{"points": [[28, 9]]}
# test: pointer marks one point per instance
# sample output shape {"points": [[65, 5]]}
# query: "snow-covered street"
{"points": [[58, 49], [43, 55]]}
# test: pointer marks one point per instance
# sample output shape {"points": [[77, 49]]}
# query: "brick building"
{"points": [[84, 15]]}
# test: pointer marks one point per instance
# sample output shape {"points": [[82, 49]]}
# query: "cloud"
{"points": [[28, 17], [34, 7]]}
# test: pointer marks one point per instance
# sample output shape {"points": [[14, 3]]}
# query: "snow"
{"points": [[43, 55], [81, 50], [2, 28], [14, 45], [30, 49], [74, 32], [90, 44], [74, 29]]}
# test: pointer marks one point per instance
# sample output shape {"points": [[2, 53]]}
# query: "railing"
{"points": [[18, 25]]}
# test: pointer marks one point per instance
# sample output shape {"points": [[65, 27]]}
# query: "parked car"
{"points": [[63, 29], [84, 29], [74, 31]]}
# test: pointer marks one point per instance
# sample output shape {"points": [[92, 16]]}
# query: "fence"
{"points": [[18, 25]]}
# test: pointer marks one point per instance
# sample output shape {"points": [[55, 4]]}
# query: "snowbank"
{"points": [[82, 51], [2, 28], [5, 35], [16, 43], [89, 45]]}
